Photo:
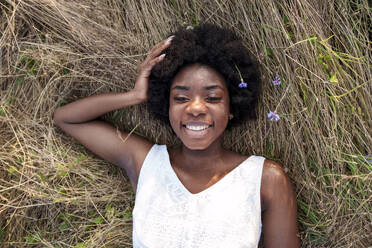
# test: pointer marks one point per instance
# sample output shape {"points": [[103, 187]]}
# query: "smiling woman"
{"points": [[198, 194], [218, 49], [199, 106]]}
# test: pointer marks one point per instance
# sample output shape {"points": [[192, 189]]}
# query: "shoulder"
{"points": [[274, 183], [272, 170], [155, 152]]}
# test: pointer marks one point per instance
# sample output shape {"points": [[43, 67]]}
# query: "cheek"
{"points": [[223, 118], [173, 118], [224, 111]]}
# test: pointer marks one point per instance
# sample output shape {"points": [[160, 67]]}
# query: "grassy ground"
{"points": [[54, 193]]}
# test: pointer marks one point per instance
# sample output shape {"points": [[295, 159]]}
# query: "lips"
{"points": [[196, 130], [196, 126]]}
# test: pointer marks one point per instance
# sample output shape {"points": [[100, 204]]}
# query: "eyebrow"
{"points": [[179, 87], [185, 88], [213, 87]]}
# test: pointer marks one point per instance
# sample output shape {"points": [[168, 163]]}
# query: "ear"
{"points": [[231, 116]]}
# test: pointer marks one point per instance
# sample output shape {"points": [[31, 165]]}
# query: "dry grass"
{"points": [[54, 193]]}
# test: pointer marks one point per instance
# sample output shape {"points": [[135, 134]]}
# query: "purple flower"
{"points": [[368, 158], [273, 116], [277, 81], [243, 85], [189, 27]]}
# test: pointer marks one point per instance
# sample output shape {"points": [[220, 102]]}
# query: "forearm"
{"points": [[92, 107]]}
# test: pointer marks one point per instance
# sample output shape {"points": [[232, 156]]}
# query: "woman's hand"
{"points": [[155, 56]]}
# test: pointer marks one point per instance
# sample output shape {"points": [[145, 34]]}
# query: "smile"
{"points": [[197, 128]]}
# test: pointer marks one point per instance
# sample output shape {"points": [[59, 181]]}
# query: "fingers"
{"points": [[146, 66], [158, 48], [155, 60], [154, 56]]}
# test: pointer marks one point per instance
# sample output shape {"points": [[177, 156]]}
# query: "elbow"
{"points": [[57, 120]]}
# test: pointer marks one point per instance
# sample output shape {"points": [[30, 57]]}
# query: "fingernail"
{"points": [[162, 56], [170, 38]]}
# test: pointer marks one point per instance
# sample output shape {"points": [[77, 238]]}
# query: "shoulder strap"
{"points": [[151, 163]]}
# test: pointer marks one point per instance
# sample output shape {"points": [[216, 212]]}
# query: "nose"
{"points": [[196, 107]]}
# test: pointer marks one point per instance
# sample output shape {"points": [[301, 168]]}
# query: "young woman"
{"points": [[200, 81]]}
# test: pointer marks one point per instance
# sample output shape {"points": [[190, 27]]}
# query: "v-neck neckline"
{"points": [[208, 189]]}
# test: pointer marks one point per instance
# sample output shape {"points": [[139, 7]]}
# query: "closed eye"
{"points": [[180, 99], [213, 99]]}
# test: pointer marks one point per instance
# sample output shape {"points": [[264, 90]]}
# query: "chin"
{"points": [[198, 145]]}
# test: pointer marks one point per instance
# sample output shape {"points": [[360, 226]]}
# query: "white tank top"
{"points": [[167, 215]]}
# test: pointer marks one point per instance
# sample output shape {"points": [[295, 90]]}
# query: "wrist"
{"points": [[139, 96]]}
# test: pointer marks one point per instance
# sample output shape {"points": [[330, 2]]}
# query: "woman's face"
{"points": [[199, 106]]}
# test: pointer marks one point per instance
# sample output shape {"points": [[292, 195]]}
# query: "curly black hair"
{"points": [[219, 48]]}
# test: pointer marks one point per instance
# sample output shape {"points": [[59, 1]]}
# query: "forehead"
{"points": [[198, 75]]}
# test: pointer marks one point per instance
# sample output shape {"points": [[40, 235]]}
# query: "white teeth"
{"points": [[196, 128]]}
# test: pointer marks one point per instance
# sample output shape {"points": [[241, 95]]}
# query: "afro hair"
{"points": [[219, 48]]}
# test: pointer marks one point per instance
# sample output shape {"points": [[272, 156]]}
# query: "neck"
{"points": [[207, 160]]}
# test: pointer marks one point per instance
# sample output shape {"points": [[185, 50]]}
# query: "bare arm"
{"points": [[79, 119], [280, 228], [92, 107]]}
